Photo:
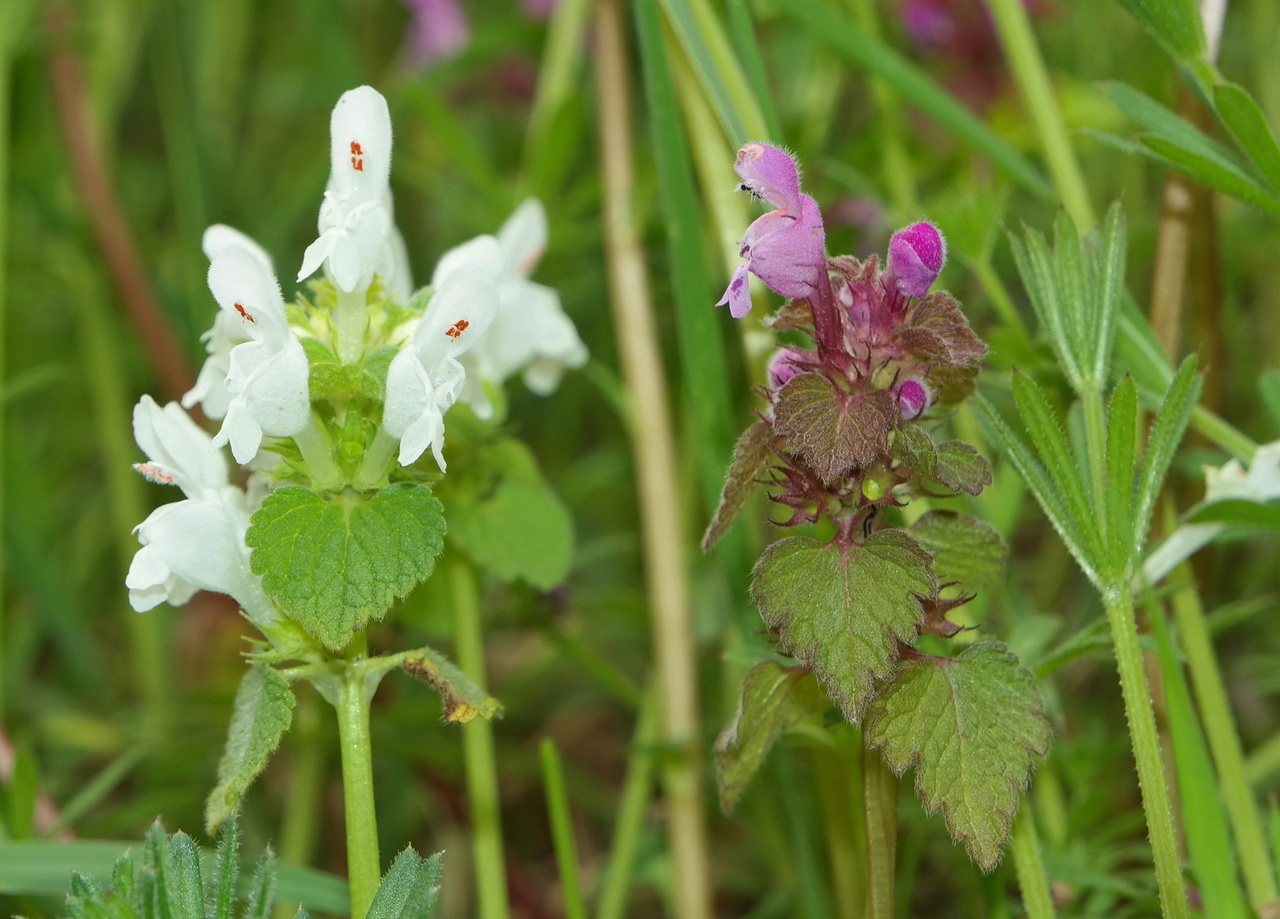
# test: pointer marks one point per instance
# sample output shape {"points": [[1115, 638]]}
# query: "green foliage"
{"points": [[505, 517], [165, 880], [960, 467], [335, 563], [964, 549], [409, 888], [263, 712], [969, 726], [1174, 24], [750, 460], [844, 611], [832, 430], [774, 698]]}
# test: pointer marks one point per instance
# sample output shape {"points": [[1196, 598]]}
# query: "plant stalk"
{"points": [[1028, 865], [1029, 72], [1146, 752], [653, 447], [846, 842], [477, 751], [881, 802], [364, 871]]}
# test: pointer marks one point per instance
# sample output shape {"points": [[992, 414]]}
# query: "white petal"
{"points": [[482, 252], [394, 267], [524, 236], [315, 255], [360, 144], [250, 293], [409, 393], [241, 430], [177, 445], [219, 236], [460, 312]]}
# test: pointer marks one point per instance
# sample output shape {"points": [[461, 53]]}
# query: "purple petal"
{"points": [[738, 293]]}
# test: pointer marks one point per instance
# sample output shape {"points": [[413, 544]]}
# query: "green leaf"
{"points": [[1039, 272], [964, 549], [969, 726], [1170, 424], [263, 712], [914, 448], [1225, 176], [832, 430], [750, 460], [409, 888], [1050, 441], [1269, 386], [843, 611], [774, 698], [1174, 24], [1240, 113], [1171, 127], [262, 892], [505, 517], [185, 887], [961, 467], [335, 562], [1101, 301], [227, 869], [1042, 486], [463, 699], [1122, 432], [1240, 513]]}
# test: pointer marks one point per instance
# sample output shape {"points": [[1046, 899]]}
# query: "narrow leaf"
{"points": [[1074, 296], [774, 698], [1170, 424], [262, 892], [463, 699], [1122, 432], [1167, 124], [1226, 177], [409, 888], [1269, 386], [1106, 293], [750, 460], [843, 611], [1174, 24], [1051, 443], [263, 712], [969, 726], [964, 549], [227, 869], [1240, 113], [1239, 513], [1035, 264], [185, 887]]}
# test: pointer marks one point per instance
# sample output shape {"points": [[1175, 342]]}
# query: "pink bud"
{"points": [[916, 256], [785, 364], [913, 399], [770, 173]]}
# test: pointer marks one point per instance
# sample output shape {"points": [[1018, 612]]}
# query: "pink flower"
{"points": [[439, 30], [916, 256], [785, 247]]}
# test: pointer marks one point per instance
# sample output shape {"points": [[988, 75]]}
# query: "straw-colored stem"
{"points": [[653, 449]]}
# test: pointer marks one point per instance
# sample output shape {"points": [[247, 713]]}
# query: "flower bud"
{"points": [[916, 256], [785, 364], [913, 398]]}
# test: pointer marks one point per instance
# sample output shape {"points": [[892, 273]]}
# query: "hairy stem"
{"points": [[1146, 751], [1028, 865], [846, 836], [881, 802], [653, 447], [364, 870], [477, 751]]}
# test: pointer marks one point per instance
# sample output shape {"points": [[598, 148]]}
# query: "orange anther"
{"points": [[456, 330], [245, 313]]}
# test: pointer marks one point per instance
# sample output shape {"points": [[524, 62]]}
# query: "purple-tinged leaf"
{"points": [[750, 459], [962, 468], [832, 430]]}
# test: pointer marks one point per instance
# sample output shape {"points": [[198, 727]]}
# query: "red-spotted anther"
{"points": [[913, 398], [916, 256]]}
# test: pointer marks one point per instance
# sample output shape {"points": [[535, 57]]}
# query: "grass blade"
{"points": [[562, 830]]}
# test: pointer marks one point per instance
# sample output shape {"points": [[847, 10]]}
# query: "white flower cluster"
{"points": [[485, 321]]}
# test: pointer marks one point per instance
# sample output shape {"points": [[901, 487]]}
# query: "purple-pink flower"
{"points": [[916, 256], [785, 248]]}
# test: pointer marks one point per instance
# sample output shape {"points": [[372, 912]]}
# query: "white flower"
{"points": [[531, 332], [357, 239], [1229, 483], [197, 543], [425, 378], [267, 373], [227, 331]]}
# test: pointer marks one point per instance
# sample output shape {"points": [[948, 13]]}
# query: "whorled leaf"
{"points": [[843, 611], [962, 468], [774, 698], [463, 699], [335, 562], [964, 549], [750, 459], [261, 715], [409, 888], [505, 517], [832, 430], [969, 726]]}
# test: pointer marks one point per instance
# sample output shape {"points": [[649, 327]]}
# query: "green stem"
{"points": [[477, 752], [299, 821], [1028, 865], [1224, 742], [349, 324], [1146, 751], [1029, 72], [881, 802], [846, 836], [364, 870], [634, 802], [1223, 434], [562, 831]]}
